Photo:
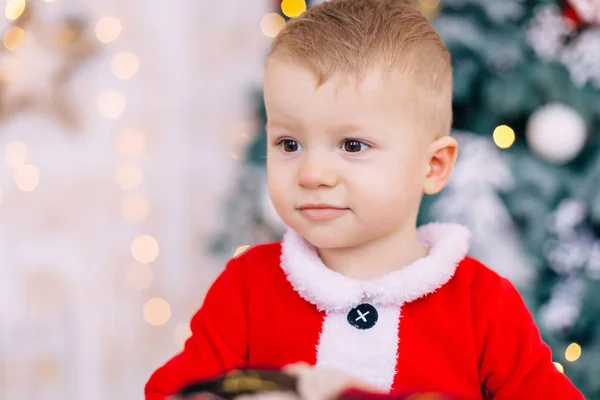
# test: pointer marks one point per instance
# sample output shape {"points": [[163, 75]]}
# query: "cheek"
{"points": [[386, 183], [279, 183]]}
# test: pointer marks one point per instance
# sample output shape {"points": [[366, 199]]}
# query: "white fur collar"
{"points": [[330, 291]]}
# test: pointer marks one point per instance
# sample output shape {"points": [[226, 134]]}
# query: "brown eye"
{"points": [[290, 146], [354, 146]]}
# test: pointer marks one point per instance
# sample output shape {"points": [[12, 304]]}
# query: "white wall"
{"points": [[71, 327]]}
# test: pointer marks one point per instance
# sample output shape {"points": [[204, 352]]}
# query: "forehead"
{"points": [[291, 88]]}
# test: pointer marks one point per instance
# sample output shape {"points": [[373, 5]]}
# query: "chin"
{"points": [[328, 237]]}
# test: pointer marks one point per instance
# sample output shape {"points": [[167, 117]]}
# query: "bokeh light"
{"points": [[240, 250], [293, 8], [14, 9], [129, 176], [559, 367], [157, 311], [125, 65], [108, 29], [131, 143], [111, 104], [573, 352], [145, 249], [181, 334], [504, 136], [13, 38], [27, 178], [272, 24]]}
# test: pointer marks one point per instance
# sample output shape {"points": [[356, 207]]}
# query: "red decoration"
{"points": [[581, 12], [571, 16]]}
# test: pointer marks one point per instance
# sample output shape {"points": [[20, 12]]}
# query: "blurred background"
{"points": [[132, 166]]}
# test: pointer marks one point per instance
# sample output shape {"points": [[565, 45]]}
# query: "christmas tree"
{"points": [[527, 181], [527, 91]]}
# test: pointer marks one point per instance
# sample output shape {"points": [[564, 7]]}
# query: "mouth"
{"points": [[321, 212]]}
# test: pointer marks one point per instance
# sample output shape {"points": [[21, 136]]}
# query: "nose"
{"points": [[316, 172]]}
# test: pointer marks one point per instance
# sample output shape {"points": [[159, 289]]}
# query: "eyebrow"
{"points": [[341, 128], [280, 124], [344, 128]]}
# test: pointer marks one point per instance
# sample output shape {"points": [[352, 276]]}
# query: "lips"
{"points": [[321, 212]]}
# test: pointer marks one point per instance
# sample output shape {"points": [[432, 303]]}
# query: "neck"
{"points": [[377, 257]]}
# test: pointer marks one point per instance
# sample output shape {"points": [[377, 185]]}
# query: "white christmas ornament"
{"points": [[556, 133], [549, 35]]}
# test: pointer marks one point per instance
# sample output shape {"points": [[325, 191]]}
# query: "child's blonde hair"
{"points": [[350, 37]]}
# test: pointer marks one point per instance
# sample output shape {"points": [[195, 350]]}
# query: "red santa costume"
{"points": [[445, 323]]}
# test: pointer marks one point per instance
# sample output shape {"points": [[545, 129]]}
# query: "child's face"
{"points": [[350, 148]]}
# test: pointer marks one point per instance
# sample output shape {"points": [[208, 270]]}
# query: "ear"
{"points": [[441, 158]]}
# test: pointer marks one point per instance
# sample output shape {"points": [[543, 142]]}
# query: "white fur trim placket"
{"points": [[370, 354]]}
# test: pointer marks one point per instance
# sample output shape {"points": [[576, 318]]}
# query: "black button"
{"points": [[363, 316]]}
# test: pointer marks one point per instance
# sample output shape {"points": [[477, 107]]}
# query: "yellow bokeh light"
{"points": [[559, 367], [157, 311], [181, 334], [504, 136], [131, 143], [135, 208], [429, 4], [49, 1], [144, 249], [272, 24], [293, 8], [129, 176], [573, 352], [240, 250], [13, 38], [27, 178], [111, 104], [125, 65], [16, 154], [14, 9], [108, 29], [139, 276]]}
